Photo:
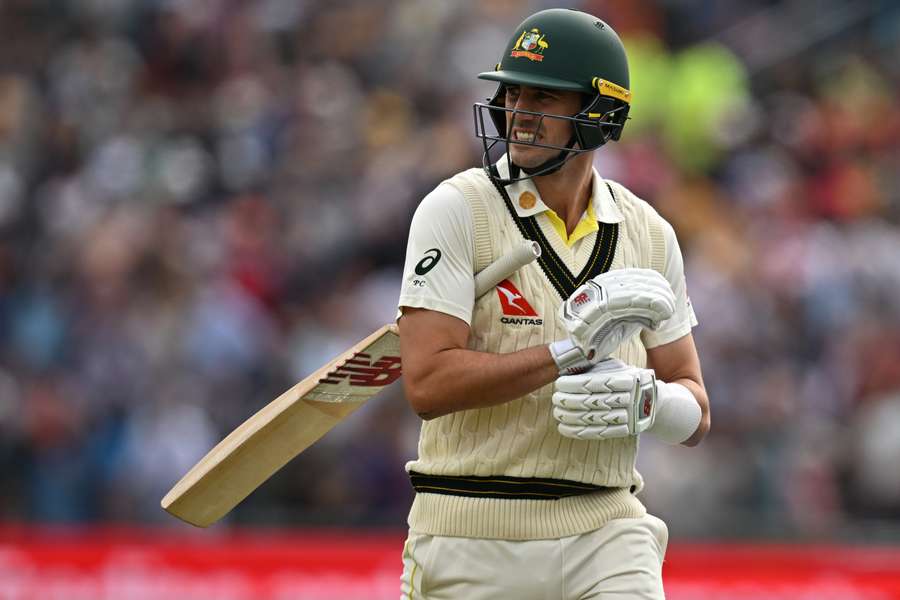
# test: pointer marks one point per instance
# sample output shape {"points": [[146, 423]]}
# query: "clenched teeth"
{"points": [[523, 136]]}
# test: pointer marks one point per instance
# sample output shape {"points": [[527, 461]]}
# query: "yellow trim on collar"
{"points": [[587, 225]]}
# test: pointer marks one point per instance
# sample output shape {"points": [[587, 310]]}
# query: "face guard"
{"points": [[598, 122], [559, 49]]}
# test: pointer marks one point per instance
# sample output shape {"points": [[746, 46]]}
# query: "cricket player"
{"points": [[533, 398]]}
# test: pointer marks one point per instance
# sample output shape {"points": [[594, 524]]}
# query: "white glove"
{"points": [[568, 358], [613, 306], [611, 400]]}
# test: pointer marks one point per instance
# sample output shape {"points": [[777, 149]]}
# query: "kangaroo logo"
{"points": [[512, 302]]}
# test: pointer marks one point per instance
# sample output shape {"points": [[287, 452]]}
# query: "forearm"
{"points": [[677, 362], [459, 379]]}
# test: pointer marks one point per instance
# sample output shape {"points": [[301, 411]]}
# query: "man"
{"points": [[533, 397]]}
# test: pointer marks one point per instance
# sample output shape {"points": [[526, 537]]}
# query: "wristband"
{"points": [[568, 358], [677, 413]]}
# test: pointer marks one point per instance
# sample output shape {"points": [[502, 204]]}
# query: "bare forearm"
{"points": [[677, 362], [459, 379]]}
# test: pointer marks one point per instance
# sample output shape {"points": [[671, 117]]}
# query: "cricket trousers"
{"points": [[621, 560]]}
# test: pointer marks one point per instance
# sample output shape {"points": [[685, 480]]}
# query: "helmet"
{"points": [[562, 49]]}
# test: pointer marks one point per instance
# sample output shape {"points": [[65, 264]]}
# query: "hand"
{"points": [[612, 400], [614, 306]]}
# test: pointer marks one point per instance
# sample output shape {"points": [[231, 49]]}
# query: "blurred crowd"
{"points": [[201, 202]]}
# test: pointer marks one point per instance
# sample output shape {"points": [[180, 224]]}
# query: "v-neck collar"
{"points": [[606, 208], [555, 269]]}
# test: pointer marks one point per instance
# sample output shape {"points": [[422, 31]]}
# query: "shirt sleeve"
{"points": [[684, 319], [440, 258]]}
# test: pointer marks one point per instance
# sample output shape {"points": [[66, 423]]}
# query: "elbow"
{"points": [[419, 399]]}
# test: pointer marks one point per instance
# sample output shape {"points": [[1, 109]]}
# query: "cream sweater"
{"points": [[519, 438]]}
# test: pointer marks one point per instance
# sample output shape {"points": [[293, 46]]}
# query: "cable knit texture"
{"points": [[519, 438]]}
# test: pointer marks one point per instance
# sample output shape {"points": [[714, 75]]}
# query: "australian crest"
{"points": [[530, 45]]}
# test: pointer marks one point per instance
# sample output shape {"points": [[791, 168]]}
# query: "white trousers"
{"points": [[621, 560]]}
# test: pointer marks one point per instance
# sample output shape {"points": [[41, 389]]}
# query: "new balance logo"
{"points": [[362, 371], [516, 309]]}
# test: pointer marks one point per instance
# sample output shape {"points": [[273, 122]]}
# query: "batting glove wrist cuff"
{"points": [[568, 358], [677, 413]]}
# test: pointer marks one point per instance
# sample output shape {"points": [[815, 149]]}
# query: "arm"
{"points": [[677, 362], [670, 350], [441, 376]]}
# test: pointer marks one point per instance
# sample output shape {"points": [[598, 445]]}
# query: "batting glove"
{"points": [[614, 306], [612, 400]]}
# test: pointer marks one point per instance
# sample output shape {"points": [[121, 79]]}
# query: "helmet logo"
{"points": [[530, 45]]}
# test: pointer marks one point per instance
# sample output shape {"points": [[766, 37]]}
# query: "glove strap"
{"points": [[568, 358]]}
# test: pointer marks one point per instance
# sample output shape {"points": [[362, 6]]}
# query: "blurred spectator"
{"points": [[202, 202]]}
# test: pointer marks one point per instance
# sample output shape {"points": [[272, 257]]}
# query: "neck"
{"points": [[567, 191]]}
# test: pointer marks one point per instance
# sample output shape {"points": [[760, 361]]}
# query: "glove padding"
{"points": [[613, 306], [612, 400]]}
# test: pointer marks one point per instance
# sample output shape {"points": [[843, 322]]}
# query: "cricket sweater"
{"points": [[518, 440]]}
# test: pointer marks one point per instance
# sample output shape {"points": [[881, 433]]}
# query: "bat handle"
{"points": [[528, 251]]}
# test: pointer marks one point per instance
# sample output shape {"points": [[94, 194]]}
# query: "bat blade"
{"points": [[283, 428], [292, 422]]}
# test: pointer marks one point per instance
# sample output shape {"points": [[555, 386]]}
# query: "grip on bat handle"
{"points": [[528, 251]]}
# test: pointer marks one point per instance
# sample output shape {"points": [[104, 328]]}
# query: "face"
{"points": [[532, 129]]}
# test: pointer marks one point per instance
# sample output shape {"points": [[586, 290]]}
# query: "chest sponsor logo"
{"points": [[516, 309]]}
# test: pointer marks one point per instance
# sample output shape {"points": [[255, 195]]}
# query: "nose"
{"points": [[523, 119], [524, 102]]}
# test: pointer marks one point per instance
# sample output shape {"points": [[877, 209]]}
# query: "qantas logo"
{"points": [[512, 302], [516, 309], [362, 371]]}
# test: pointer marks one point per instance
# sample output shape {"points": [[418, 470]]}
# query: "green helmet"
{"points": [[563, 49]]}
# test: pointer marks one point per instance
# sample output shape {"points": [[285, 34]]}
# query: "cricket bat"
{"points": [[288, 425]]}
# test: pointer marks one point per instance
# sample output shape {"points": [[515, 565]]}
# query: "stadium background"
{"points": [[203, 201]]}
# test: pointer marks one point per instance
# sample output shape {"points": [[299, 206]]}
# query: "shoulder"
{"points": [[444, 201], [469, 176], [660, 235], [454, 190], [465, 197], [443, 217]]}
